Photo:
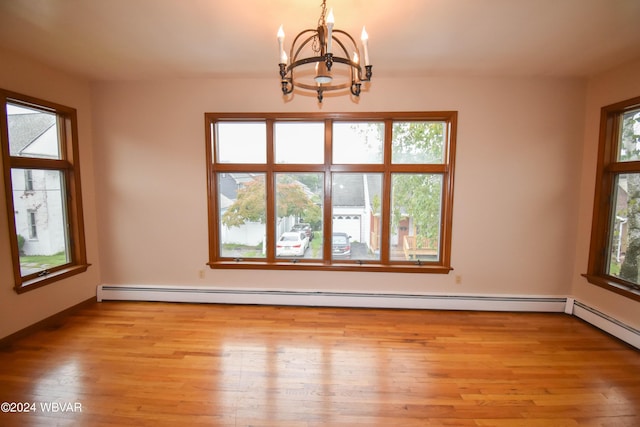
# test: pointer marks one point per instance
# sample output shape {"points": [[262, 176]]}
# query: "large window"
{"points": [[614, 258], [363, 192], [42, 185]]}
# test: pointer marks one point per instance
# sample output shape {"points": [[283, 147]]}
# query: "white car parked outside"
{"points": [[292, 243]]}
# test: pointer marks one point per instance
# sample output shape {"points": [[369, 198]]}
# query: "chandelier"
{"points": [[324, 59]]}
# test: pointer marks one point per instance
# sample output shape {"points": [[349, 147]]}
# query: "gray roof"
{"points": [[24, 129], [352, 191], [229, 183]]}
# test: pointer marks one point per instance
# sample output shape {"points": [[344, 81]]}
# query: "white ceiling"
{"points": [[151, 39]]}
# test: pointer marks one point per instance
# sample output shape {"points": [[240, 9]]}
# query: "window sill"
{"points": [[613, 286], [364, 267], [54, 276]]}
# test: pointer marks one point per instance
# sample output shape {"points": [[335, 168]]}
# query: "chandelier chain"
{"points": [[323, 13], [315, 45]]}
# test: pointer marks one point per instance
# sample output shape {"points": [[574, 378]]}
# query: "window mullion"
{"points": [[270, 198], [385, 229], [35, 163], [327, 214], [416, 168], [624, 167]]}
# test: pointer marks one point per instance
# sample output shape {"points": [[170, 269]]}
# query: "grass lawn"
{"points": [[316, 245], [44, 260]]}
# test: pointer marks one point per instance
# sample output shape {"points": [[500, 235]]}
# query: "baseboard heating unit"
{"points": [[331, 299], [551, 304]]}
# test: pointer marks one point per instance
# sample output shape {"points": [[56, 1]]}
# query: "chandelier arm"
{"points": [[353, 41], [356, 66], [302, 44], [344, 49]]}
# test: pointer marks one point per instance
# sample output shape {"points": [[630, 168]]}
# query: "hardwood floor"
{"points": [[159, 364]]}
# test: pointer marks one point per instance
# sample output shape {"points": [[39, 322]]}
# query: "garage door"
{"points": [[349, 224]]}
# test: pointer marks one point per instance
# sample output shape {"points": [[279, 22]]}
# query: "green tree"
{"points": [[292, 200], [250, 204], [313, 213], [418, 196], [418, 142], [630, 150]]}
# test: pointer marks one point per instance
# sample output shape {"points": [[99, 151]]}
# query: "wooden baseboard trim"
{"points": [[50, 322]]}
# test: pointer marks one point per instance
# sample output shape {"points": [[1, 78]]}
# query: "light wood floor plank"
{"points": [[160, 364]]}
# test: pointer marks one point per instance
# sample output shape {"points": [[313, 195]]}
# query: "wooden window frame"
{"points": [[446, 169], [69, 166], [604, 198]]}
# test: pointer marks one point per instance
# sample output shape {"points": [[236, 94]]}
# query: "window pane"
{"points": [[356, 202], [629, 147], [241, 142], [358, 143], [299, 199], [624, 243], [297, 142], [32, 133], [416, 206], [40, 218], [418, 142], [242, 210]]}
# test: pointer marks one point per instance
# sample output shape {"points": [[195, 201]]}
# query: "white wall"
{"points": [[19, 311], [516, 184], [611, 87], [523, 193]]}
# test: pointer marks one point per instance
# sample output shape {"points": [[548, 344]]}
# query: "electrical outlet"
{"points": [[458, 279], [201, 274]]}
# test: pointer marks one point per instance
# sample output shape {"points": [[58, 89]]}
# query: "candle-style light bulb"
{"points": [[365, 43], [330, 23], [356, 70], [283, 55]]}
